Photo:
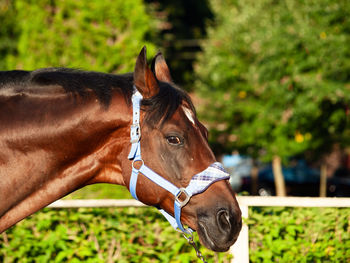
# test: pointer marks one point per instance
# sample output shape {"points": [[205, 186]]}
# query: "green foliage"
{"points": [[277, 75], [143, 235], [101, 191], [98, 235], [94, 35], [8, 31], [182, 23], [299, 234]]}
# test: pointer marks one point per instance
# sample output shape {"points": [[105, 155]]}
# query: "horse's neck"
{"points": [[51, 146], [32, 116]]}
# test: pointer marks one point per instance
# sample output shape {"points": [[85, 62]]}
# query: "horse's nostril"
{"points": [[223, 218]]}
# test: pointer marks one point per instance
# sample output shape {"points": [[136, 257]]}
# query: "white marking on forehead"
{"points": [[189, 114]]}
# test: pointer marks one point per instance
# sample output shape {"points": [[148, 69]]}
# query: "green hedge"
{"points": [[95, 35], [143, 235], [299, 235], [8, 32], [98, 235]]}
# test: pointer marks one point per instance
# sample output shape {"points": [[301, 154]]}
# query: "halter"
{"points": [[198, 184]]}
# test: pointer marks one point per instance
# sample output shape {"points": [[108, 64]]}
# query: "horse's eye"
{"points": [[174, 140]]}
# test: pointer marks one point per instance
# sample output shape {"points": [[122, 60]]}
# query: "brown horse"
{"points": [[63, 129]]}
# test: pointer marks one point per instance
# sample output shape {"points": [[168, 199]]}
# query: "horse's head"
{"points": [[174, 145]]}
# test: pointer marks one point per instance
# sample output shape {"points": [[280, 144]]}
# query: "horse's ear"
{"points": [[144, 78], [161, 69]]}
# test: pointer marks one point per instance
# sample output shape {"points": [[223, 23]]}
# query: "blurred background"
{"points": [[270, 79]]}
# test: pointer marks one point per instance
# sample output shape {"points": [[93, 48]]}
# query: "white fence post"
{"points": [[240, 250]]}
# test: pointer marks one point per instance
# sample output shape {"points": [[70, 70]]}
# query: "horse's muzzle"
{"points": [[219, 229]]}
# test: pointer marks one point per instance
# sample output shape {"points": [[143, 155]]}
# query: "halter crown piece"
{"points": [[198, 184]]}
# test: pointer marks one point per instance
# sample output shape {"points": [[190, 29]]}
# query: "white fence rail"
{"points": [[240, 249]]}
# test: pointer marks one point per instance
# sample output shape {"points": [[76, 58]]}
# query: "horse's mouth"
{"points": [[211, 242], [216, 240]]}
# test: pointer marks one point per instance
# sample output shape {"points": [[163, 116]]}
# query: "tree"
{"points": [[95, 35], [182, 25], [8, 31], [277, 76]]}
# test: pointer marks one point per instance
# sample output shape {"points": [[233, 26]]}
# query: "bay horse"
{"points": [[62, 129]]}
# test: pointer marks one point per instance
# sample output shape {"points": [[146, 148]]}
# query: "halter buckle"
{"points": [[135, 133], [179, 193]]}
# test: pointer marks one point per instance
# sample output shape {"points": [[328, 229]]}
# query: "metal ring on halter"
{"points": [[179, 193], [134, 161]]}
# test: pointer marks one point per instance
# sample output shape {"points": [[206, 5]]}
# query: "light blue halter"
{"points": [[198, 184]]}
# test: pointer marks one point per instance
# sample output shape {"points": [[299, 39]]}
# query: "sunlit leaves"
{"points": [[93, 35], [276, 76], [299, 234], [98, 235]]}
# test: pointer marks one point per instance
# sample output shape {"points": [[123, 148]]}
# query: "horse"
{"points": [[62, 129]]}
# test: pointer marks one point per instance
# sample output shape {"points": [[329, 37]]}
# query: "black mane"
{"points": [[77, 82], [159, 108], [13, 77]]}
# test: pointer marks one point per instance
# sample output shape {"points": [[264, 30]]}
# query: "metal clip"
{"points": [[190, 240]]}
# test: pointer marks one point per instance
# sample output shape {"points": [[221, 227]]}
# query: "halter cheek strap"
{"points": [[198, 184]]}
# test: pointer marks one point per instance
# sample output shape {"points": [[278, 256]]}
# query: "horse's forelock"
{"points": [[161, 107]]}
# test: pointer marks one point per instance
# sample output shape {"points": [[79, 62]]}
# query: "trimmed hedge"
{"points": [[143, 235], [98, 235], [299, 234]]}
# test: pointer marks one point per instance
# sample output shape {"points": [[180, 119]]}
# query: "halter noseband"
{"points": [[198, 184]]}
